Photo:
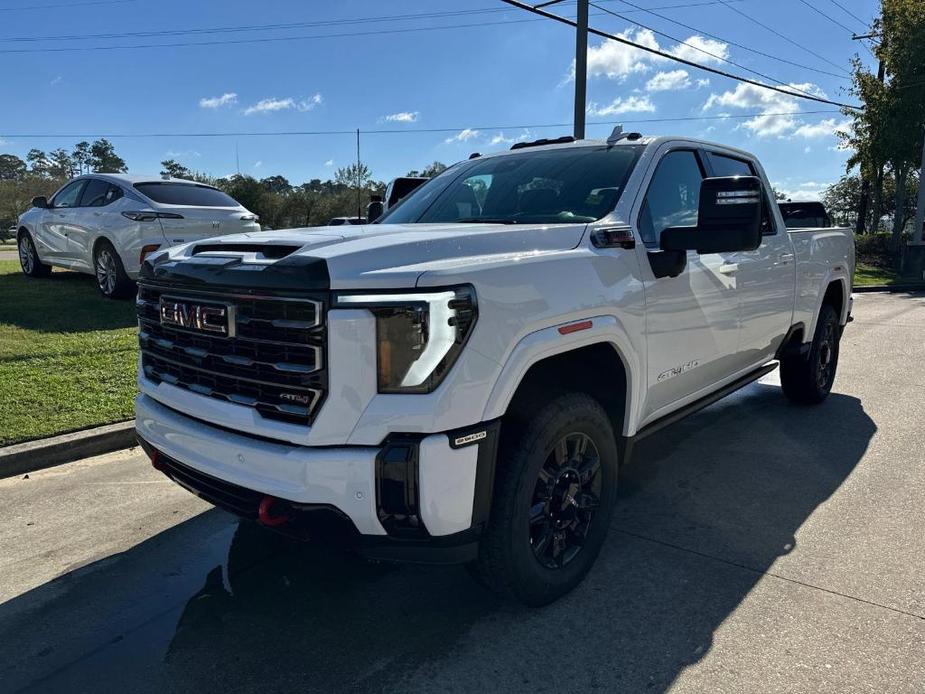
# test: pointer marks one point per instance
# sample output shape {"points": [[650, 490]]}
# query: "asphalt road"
{"points": [[758, 547]]}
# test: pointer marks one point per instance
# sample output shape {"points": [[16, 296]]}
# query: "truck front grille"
{"points": [[274, 360]]}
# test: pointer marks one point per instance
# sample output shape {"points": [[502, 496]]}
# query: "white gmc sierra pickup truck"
{"points": [[461, 381]]}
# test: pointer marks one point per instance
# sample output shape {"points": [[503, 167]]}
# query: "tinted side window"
{"points": [[727, 166], [112, 194], [67, 196], [94, 194], [673, 197]]}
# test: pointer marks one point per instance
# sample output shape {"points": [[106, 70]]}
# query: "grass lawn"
{"points": [[67, 355], [866, 275]]}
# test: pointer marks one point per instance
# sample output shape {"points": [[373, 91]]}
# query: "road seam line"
{"points": [[769, 573]]}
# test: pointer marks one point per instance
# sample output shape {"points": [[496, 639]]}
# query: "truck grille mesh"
{"points": [[274, 362]]}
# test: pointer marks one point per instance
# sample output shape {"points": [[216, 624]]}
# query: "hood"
{"points": [[385, 255]]}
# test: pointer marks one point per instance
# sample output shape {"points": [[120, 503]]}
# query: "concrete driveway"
{"points": [[758, 547], [8, 254]]}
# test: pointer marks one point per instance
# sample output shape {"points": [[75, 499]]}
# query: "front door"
{"points": [[765, 276], [692, 321], [57, 220]]}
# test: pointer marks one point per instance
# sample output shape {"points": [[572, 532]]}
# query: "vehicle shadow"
{"points": [[65, 302], [707, 506]]}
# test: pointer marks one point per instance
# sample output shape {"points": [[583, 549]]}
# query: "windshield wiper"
{"points": [[486, 220]]}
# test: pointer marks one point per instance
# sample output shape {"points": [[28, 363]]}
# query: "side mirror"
{"points": [[729, 218], [41, 201], [374, 210]]}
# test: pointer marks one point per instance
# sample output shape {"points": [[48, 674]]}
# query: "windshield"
{"points": [[562, 185], [186, 194]]}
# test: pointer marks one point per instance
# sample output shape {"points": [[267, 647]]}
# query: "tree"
{"points": [[38, 162], [434, 169], [60, 164], [103, 158], [81, 157], [354, 175], [175, 169], [777, 194], [12, 168], [889, 129], [276, 184]]}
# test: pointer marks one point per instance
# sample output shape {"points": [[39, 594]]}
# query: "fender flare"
{"points": [[832, 275], [548, 342]]}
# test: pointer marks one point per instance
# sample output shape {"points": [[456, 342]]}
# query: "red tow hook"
{"points": [[270, 514]]}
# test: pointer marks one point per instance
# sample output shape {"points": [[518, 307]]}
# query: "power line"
{"points": [[725, 40], [828, 17], [407, 131], [66, 4], [669, 56], [847, 11], [785, 38], [697, 48]]}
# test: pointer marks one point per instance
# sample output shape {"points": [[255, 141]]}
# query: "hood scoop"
{"points": [[252, 252]]}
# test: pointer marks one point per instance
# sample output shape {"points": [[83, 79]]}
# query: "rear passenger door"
{"points": [[765, 277], [692, 321], [96, 217]]}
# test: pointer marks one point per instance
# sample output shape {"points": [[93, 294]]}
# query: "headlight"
{"points": [[419, 335]]}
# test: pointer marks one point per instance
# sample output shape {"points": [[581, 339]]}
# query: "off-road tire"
{"points": [[510, 560], [807, 379]]}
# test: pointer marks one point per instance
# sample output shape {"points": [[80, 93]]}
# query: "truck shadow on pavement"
{"points": [[706, 508]]}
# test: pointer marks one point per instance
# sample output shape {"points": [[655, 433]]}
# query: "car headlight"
{"points": [[419, 335]]}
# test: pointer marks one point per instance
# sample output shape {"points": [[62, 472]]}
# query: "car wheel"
{"points": [[111, 279], [29, 258], [555, 493], [807, 380]]}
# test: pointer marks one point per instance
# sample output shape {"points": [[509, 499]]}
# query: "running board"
{"points": [[705, 401]]}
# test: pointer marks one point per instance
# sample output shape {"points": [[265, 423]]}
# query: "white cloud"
{"points": [[463, 136], [329, 162], [807, 149], [701, 50], [258, 164], [182, 154], [56, 80], [829, 126], [274, 104], [632, 104], [775, 109], [225, 99], [403, 117], [802, 192], [501, 139], [703, 82], [616, 60], [665, 81]]}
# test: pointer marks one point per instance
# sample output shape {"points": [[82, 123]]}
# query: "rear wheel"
{"points": [[29, 258], [808, 379], [554, 496], [111, 279]]}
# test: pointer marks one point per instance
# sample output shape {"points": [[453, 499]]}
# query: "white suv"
{"points": [[105, 224]]}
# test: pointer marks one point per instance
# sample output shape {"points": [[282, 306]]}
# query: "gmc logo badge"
{"points": [[217, 319]]}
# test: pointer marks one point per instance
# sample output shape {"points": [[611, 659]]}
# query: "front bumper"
{"points": [[415, 498]]}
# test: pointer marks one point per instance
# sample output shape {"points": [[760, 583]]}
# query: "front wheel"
{"points": [[807, 380], [29, 257], [111, 279], [554, 497]]}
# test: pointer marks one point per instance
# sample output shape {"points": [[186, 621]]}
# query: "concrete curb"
{"points": [[21, 458], [889, 288]]}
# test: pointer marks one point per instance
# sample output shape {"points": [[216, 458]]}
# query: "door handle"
{"points": [[785, 258], [729, 268]]}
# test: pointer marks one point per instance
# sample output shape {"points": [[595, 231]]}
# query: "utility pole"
{"points": [[920, 205], [581, 68], [359, 209]]}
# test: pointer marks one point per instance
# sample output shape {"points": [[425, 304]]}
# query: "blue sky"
{"points": [[495, 68]]}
